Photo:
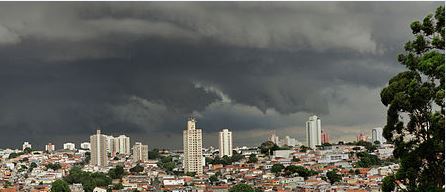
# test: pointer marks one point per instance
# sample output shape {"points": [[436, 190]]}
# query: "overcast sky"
{"points": [[141, 69]]}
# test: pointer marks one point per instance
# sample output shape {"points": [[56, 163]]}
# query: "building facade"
{"points": [[225, 142], [377, 135], [140, 152], [313, 131], [85, 145], [122, 145], [50, 147], [26, 145], [192, 148], [325, 138], [361, 137], [69, 146], [98, 144]]}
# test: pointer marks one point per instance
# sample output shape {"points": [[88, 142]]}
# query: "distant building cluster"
{"points": [[196, 168]]}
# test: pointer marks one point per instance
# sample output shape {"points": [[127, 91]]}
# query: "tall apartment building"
{"points": [[140, 152], [313, 131], [192, 148], [377, 135], [361, 137], [225, 142], [85, 145], [98, 149], [289, 141], [50, 147], [26, 145], [69, 146], [325, 138], [275, 139], [110, 145], [122, 145]]}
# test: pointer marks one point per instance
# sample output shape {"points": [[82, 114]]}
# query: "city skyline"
{"points": [[141, 68]]}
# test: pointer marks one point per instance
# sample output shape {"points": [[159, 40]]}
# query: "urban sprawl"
{"points": [[108, 163]]}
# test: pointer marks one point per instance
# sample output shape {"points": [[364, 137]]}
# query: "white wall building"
{"points": [[69, 146], [140, 152], [50, 147], [377, 135], [193, 148], [98, 149], [26, 145], [85, 145], [110, 144], [313, 131], [225, 142], [122, 144]]}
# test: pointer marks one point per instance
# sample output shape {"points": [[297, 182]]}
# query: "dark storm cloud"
{"points": [[141, 68]]}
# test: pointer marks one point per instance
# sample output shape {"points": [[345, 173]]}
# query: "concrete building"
{"points": [[361, 137], [313, 131], [377, 135], [50, 147], [26, 145], [69, 146], [325, 138], [85, 145], [110, 145], [192, 148], [98, 149], [275, 139], [122, 144], [289, 141], [140, 152], [225, 142]]}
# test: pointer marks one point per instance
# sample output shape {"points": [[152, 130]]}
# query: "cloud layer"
{"points": [[140, 68]]}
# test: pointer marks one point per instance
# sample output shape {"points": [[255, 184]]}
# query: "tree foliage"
{"points": [[241, 188], [60, 186], [277, 168], [333, 177], [252, 158], [415, 101], [117, 172], [388, 184], [137, 169]]}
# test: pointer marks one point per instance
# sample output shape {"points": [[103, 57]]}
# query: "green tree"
{"points": [[277, 168], [388, 184], [268, 147], [418, 94], [295, 159], [213, 179], [27, 150], [252, 158], [333, 176], [241, 188], [54, 166], [137, 169], [60, 186], [117, 172], [154, 154]]}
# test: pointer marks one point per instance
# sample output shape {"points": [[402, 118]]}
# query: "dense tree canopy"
{"points": [[241, 188], [60, 186], [415, 101]]}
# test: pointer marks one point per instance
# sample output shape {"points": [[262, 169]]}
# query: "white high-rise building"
{"points": [[313, 131], [377, 135], [110, 144], [225, 142], [140, 152], [50, 147], [85, 145], [122, 145], [26, 145], [193, 148], [69, 146], [98, 149], [275, 139], [289, 141]]}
